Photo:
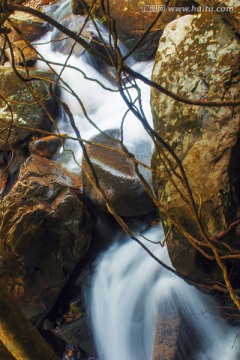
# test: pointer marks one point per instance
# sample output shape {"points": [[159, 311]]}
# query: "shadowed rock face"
{"points": [[45, 231], [76, 332], [198, 58], [117, 177]]}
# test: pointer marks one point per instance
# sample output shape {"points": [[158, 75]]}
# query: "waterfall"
{"points": [[105, 108], [128, 287]]}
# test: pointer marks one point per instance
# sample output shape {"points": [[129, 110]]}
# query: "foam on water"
{"points": [[106, 109], [128, 284], [128, 287]]}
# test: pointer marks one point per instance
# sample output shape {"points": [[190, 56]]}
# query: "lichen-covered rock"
{"points": [[229, 9], [132, 20], [198, 58], [45, 231], [116, 176], [23, 104]]}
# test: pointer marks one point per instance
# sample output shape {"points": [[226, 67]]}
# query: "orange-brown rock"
{"points": [[231, 12], [32, 27], [45, 230], [23, 54], [46, 146], [132, 20]]}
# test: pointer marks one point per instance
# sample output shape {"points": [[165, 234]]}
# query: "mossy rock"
{"points": [[24, 104]]}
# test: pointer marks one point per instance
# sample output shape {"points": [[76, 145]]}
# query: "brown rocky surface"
{"points": [[29, 25], [76, 332], [23, 54], [117, 177], [167, 332], [45, 230], [46, 146], [231, 14], [132, 20]]}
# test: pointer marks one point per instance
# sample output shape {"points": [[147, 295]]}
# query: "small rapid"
{"points": [[129, 288], [98, 108]]}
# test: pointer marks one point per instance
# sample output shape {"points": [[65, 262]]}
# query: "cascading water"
{"points": [[129, 286], [105, 109]]}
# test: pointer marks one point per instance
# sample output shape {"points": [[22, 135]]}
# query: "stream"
{"points": [[128, 286]]}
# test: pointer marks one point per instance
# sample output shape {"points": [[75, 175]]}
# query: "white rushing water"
{"points": [[106, 109], [129, 285]]}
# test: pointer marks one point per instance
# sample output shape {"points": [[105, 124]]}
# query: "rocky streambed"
{"points": [[60, 209]]}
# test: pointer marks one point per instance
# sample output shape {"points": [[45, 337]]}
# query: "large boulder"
{"points": [[198, 58], [116, 176], [133, 19], [24, 104], [30, 28], [45, 230]]}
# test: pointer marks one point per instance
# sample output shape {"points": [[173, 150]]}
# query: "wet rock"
{"points": [[77, 333], [167, 332], [46, 146], [29, 25], [45, 230], [176, 334], [23, 104], [23, 55], [198, 58], [97, 44], [62, 43], [117, 178]]}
